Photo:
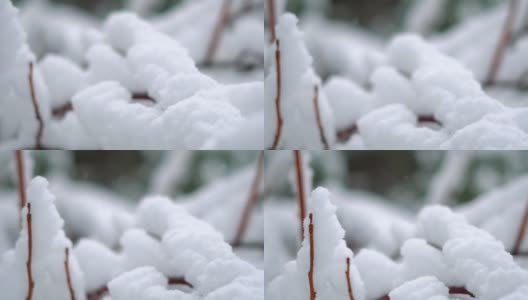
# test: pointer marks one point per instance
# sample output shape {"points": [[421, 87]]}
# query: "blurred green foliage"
{"points": [[386, 16], [103, 7], [130, 173], [405, 177]]}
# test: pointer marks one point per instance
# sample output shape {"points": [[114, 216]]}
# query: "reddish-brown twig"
{"points": [[223, 20], [460, 291], [349, 284], [299, 176], [278, 132], [31, 283], [344, 134], [142, 96], [313, 293], [251, 201], [21, 177], [272, 19], [38, 138], [67, 269], [504, 40], [318, 117], [97, 294], [520, 233], [62, 110], [452, 290], [179, 281]]}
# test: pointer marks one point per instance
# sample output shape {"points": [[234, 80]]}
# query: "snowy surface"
{"points": [[130, 83], [158, 248], [408, 91], [438, 253]]}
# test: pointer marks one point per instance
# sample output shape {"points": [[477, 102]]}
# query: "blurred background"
{"points": [[383, 16], [103, 7], [408, 178], [131, 174], [389, 16]]}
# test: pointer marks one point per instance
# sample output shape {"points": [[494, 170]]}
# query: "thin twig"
{"points": [[299, 172], [216, 38], [31, 283], [62, 110], [520, 233], [272, 19], [21, 177], [313, 293], [504, 40], [344, 134], [460, 291], [38, 138], [318, 117], [278, 97], [251, 201], [142, 96], [97, 294], [179, 281], [67, 268], [452, 290], [349, 284]]}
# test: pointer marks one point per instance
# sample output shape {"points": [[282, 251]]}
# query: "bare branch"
{"points": [[251, 201], [313, 293], [349, 285], [67, 269], [216, 38], [21, 178], [31, 283], [520, 233], [502, 44], [272, 19], [300, 188], [278, 97], [38, 139], [318, 118]]}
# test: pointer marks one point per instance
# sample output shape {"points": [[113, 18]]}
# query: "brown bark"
{"points": [[21, 178], [251, 201], [349, 284], [272, 19], [216, 38], [313, 293], [299, 176], [520, 233], [67, 269], [318, 118], [38, 138], [503, 43], [31, 283], [278, 131]]}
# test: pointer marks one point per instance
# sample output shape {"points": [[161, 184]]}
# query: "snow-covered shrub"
{"points": [[324, 267], [132, 83], [470, 251], [415, 92], [207, 244]]}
